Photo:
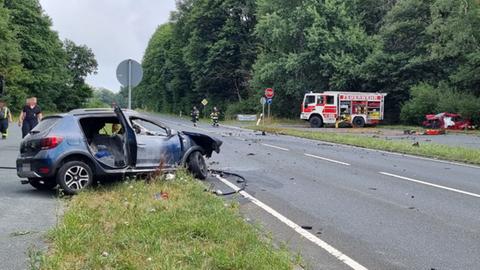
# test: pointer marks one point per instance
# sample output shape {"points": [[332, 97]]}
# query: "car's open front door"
{"points": [[129, 138]]}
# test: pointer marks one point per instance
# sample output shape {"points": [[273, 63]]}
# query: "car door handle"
{"points": [[141, 145]]}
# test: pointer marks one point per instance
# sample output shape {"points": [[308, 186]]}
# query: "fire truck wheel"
{"points": [[316, 122], [358, 122]]}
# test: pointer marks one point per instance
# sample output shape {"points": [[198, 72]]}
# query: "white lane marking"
{"points": [[393, 153], [376, 150], [432, 185], [327, 159], [371, 150], [322, 244], [276, 147]]}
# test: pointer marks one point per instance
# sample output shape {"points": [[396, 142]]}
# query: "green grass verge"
{"points": [[127, 227], [430, 150]]}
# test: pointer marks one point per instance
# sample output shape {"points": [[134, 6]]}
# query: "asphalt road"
{"points": [[382, 210], [378, 210], [25, 213]]}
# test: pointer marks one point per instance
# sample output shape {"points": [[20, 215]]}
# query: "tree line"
{"points": [[424, 53], [35, 62]]}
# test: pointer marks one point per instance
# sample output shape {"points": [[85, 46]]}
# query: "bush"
{"points": [[248, 106], [426, 99], [96, 103]]}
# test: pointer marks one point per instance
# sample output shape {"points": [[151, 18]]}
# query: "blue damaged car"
{"points": [[75, 149]]}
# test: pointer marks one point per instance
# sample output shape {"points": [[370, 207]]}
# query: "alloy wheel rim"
{"points": [[76, 177]]}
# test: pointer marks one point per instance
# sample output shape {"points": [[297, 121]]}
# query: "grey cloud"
{"points": [[114, 29]]}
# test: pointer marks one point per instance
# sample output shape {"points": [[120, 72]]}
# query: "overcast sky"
{"points": [[114, 29]]}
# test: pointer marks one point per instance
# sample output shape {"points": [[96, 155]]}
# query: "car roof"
{"points": [[96, 111]]}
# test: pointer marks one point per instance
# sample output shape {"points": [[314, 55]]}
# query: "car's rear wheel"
{"points": [[74, 176], [197, 165], [42, 184]]}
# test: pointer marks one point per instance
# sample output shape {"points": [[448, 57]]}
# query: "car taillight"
{"points": [[44, 170], [50, 142]]}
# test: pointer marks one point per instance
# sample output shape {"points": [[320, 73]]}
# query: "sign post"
{"points": [[129, 74], [269, 102], [269, 94], [204, 103], [130, 84], [263, 100]]}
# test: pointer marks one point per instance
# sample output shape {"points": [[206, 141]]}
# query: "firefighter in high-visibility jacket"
{"points": [[195, 113], [5, 119], [214, 116]]}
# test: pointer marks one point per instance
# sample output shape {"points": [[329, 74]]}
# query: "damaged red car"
{"points": [[447, 120]]}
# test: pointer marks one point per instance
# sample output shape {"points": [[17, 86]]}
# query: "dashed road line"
{"points": [[430, 184], [327, 159], [276, 147], [317, 241], [376, 150]]}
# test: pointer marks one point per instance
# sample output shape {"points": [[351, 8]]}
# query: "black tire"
{"points": [[74, 176], [358, 122], [197, 165], [42, 184], [316, 122]]}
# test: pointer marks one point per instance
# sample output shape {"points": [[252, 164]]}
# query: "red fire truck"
{"points": [[352, 108]]}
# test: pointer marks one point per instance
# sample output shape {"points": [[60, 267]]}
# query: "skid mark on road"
{"points": [[327, 159], [314, 239], [276, 147], [432, 185]]}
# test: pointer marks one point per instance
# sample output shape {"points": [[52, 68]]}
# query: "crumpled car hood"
{"points": [[209, 144]]}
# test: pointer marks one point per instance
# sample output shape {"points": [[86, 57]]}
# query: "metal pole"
{"points": [[269, 112], [129, 84], [263, 114]]}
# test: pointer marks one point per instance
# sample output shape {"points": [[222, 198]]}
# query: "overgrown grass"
{"points": [[431, 150], [129, 226]]}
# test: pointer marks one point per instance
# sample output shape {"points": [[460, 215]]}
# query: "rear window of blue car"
{"points": [[46, 124]]}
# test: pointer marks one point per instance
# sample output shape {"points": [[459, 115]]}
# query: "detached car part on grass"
{"points": [[75, 149]]}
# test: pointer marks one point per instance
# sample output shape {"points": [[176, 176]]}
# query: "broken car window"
{"points": [[144, 127]]}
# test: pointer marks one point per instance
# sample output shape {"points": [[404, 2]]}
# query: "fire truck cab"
{"points": [[352, 108]]}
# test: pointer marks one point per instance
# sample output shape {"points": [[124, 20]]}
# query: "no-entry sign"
{"points": [[269, 93]]}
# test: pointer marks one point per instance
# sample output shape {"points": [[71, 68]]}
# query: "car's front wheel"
{"points": [[197, 165], [74, 176], [42, 184]]}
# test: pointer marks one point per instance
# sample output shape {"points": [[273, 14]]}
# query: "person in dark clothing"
{"points": [[5, 119], [30, 116], [195, 113]]}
